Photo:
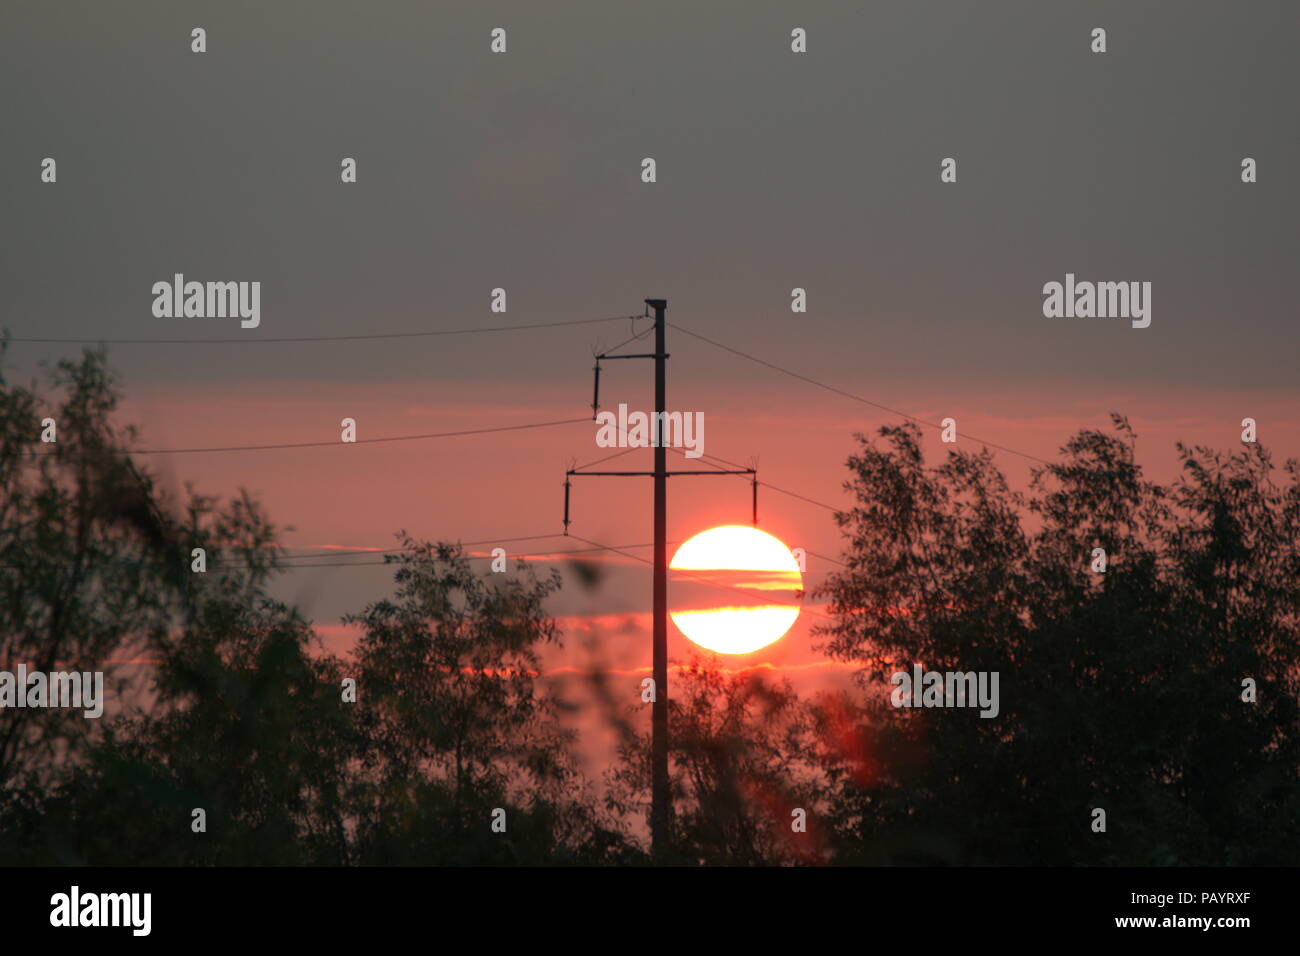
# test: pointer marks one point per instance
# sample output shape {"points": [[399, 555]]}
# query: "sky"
{"points": [[522, 171]]}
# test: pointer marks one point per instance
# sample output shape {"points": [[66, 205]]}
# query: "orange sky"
{"points": [[483, 487]]}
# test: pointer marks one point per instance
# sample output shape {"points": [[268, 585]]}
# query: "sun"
{"points": [[743, 559]]}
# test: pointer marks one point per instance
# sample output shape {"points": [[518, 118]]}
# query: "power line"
{"points": [[840, 391], [324, 338], [543, 557], [825, 557], [636, 557], [285, 445], [768, 484], [617, 454], [237, 566], [281, 566], [463, 544], [794, 494], [710, 460], [324, 444], [375, 564], [635, 337]]}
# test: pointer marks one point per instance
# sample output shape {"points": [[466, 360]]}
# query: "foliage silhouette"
{"points": [[1119, 690]]}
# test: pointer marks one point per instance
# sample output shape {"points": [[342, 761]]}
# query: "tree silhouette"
{"points": [[456, 726], [233, 716], [1120, 690], [1162, 689], [240, 713], [742, 763], [82, 552]]}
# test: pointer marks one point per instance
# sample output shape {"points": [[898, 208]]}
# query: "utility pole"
{"points": [[660, 793], [660, 798]]}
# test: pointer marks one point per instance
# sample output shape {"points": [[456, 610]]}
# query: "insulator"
{"points": [[567, 485]]}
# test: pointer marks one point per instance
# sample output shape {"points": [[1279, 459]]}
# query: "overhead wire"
{"points": [[839, 391], [251, 340], [339, 443]]}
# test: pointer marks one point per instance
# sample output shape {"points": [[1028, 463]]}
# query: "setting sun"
{"points": [[743, 559]]}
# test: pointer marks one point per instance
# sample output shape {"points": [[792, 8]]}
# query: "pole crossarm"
{"points": [[651, 474]]}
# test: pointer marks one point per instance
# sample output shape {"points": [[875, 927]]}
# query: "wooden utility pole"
{"points": [[660, 792], [660, 798]]}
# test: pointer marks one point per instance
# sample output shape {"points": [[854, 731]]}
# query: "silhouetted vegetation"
{"points": [[1119, 690]]}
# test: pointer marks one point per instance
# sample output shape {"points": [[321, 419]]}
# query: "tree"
{"points": [[232, 712], [238, 712], [457, 727], [742, 767], [1120, 690], [87, 568]]}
